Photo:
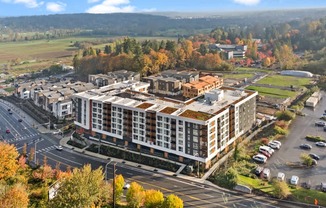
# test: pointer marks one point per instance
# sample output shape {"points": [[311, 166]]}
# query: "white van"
{"points": [[266, 173], [267, 149]]}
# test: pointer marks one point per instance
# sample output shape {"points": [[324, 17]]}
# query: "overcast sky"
{"points": [[42, 7]]}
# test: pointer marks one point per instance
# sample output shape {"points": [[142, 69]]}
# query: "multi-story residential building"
{"points": [[196, 130], [101, 80], [170, 82], [204, 84]]}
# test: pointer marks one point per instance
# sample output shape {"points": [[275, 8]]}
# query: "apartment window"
{"points": [[166, 139], [180, 122], [136, 125], [94, 104], [94, 120], [141, 114], [114, 108], [99, 116], [166, 126], [94, 110], [99, 122], [99, 105], [94, 125], [114, 131], [166, 145], [159, 118], [180, 135], [136, 113], [195, 145], [180, 142], [159, 137], [99, 111], [135, 119], [94, 115], [180, 129], [136, 131], [141, 126], [159, 143], [180, 149], [167, 120], [119, 109], [114, 114], [65, 107], [136, 137], [166, 132], [159, 131]]}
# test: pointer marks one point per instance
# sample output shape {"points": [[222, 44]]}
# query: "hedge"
{"points": [[315, 138]]}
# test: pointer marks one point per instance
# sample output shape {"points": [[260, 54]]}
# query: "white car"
{"points": [[266, 148], [59, 148], [320, 144], [56, 132], [294, 180], [273, 145], [280, 176], [277, 142], [260, 158], [126, 186]]}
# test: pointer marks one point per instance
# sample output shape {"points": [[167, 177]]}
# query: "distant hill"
{"points": [[150, 24]]}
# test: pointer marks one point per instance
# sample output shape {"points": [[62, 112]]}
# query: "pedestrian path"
{"points": [[23, 138], [47, 149]]}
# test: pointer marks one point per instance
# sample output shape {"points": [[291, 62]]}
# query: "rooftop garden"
{"points": [[145, 105], [168, 110], [196, 115]]}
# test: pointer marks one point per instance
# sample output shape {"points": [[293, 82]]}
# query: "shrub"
{"points": [[315, 138], [279, 130], [281, 189], [264, 141], [227, 179], [283, 124], [285, 115], [306, 159]]}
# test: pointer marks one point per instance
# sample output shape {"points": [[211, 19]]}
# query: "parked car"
{"points": [[280, 176], [306, 146], [263, 152], [320, 144], [258, 170], [314, 156], [9, 109], [20, 120], [266, 173], [59, 148], [324, 128], [320, 123], [126, 186], [276, 142], [306, 185], [294, 180], [260, 158], [273, 145], [323, 186], [8, 131], [266, 148]]}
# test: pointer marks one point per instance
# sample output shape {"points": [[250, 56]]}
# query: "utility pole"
{"points": [[114, 185]]}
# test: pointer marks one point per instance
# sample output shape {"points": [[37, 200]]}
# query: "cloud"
{"points": [[111, 6], [149, 10], [247, 2], [27, 3], [55, 6]]}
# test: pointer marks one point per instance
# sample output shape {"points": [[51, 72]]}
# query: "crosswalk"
{"points": [[47, 149], [26, 137]]}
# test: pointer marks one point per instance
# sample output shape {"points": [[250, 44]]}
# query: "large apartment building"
{"points": [[196, 130]]}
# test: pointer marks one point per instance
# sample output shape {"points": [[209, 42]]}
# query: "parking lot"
{"points": [[290, 151]]}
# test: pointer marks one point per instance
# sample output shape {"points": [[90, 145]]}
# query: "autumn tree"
{"points": [[135, 195], [172, 201], [13, 197], [281, 189], [118, 190], [284, 54], [8, 160], [84, 188], [153, 198]]}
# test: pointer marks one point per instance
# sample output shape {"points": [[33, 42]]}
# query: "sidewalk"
{"points": [[63, 142]]}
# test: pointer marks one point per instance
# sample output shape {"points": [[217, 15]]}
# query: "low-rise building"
{"points": [[204, 84], [170, 82], [232, 51], [101, 80]]}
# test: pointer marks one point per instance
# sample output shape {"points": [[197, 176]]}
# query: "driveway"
{"points": [[290, 151]]}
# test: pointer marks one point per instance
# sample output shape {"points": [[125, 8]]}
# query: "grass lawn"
{"points": [[255, 183], [284, 81], [249, 69], [272, 92], [308, 196], [9, 89], [238, 76]]}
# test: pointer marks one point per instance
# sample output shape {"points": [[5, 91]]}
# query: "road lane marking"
{"points": [[182, 194], [50, 158], [65, 158]]}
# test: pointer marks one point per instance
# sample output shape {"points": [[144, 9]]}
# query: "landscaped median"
{"points": [[315, 138]]}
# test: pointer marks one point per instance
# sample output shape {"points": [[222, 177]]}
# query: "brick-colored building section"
{"points": [[204, 84]]}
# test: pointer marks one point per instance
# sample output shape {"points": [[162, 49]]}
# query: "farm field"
{"points": [[273, 92], [284, 81]]}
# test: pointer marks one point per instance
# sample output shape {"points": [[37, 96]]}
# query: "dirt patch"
{"points": [[266, 110]]}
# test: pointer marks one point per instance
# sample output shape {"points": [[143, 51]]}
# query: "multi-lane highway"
{"points": [[193, 194]]}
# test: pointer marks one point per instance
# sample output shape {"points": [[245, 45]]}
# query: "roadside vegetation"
{"points": [[26, 184]]}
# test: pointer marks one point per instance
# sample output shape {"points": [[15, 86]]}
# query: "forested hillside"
{"points": [[61, 25]]}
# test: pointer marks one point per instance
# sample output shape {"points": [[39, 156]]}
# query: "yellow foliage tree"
{"points": [[172, 201], [153, 198], [8, 160], [119, 183], [14, 197], [135, 195]]}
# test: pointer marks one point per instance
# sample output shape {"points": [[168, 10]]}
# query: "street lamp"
{"points": [[35, 142], [106, 167], [114, 184]]}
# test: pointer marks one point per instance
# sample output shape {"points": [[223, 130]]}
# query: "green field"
{"points": [[284, 81], [237, 76], [251, 70], [273, 92], [255, 183]]}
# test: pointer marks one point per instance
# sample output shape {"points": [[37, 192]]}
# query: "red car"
{"points": [[265, 153], [8, 131]]}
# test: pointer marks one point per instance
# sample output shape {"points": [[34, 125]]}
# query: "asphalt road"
{"points": [[290, 151], [193, 194]]}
